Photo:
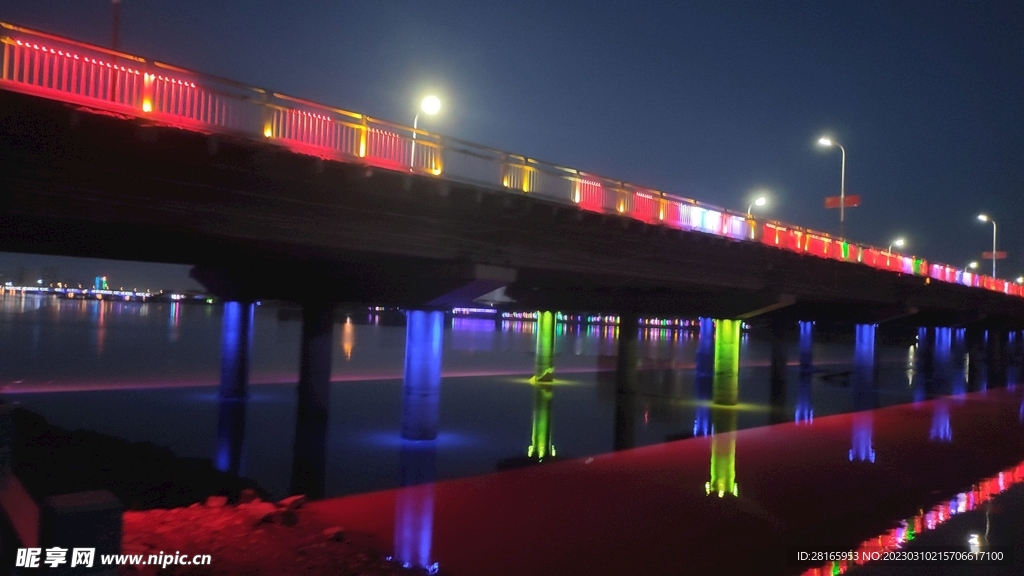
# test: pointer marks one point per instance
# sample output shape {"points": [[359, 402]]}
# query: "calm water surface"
{"points": [[149, 371]]}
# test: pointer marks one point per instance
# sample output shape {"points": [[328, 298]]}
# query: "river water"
{"points": [[149, 372]]}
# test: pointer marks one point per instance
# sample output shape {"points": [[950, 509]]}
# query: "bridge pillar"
{"points": [[777, 393], [544, 363], [976, 374], [230, 434], [723, 453], [236, 348], [421, 388], [414, 506], [725, 390], [996, 366], [541, 446], [313, 400], [704, 376], [863, 384], [806, 346], [625, 382]]}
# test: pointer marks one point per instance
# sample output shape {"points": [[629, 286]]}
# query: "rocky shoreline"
{"points": [[187, 506], [254, 538]]}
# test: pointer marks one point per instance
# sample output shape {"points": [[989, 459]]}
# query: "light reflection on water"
{"points": [[487, 409]]}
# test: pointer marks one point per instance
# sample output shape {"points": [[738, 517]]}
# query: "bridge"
{"points": [[109, 155]]}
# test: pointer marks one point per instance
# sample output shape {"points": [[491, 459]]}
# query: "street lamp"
{"points": [[972, 265], [899, 242], [825, 141], [985, 218], [760, 201], [1019, 280], [430, 105]]}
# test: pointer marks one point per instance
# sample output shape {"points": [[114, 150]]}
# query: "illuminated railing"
{"points": [[58, 68]]}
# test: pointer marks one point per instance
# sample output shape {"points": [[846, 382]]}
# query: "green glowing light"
{"points": [[846, 251], [541, 446], [725, 390], [544, 367], [723, 453]]}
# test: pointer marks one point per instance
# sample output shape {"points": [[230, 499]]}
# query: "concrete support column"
{"points": [[236, 348], [705, 362], [777, 392], [313, 400], [414, 506], [421, 388], [725, 389], [863, 377], [625, 382], [863, 393], [544, 363], [541, 446], [723, 453], [996, 365]]}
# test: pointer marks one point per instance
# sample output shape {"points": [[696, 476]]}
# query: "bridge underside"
{"points": [[259, 221]]}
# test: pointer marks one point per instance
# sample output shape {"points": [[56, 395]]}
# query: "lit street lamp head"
{"points": [[973, 265], [761, 201], [431, 105], [983, 217], [1019, 280], [899, 242], [825, 141]]}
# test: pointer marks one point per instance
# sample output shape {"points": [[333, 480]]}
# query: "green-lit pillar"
{"points": [[541, 446], [544, 366], [725, 391], [723, 453]]}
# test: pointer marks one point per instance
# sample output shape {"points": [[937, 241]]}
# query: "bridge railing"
{"points": [[53, 67]]}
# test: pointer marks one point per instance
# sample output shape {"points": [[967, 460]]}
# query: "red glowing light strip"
{"points": [[895, 538]]}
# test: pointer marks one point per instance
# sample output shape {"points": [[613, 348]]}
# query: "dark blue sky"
{"points": [[709, 100]]}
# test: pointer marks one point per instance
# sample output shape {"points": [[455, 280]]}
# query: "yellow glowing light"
{"points": [[147, 106], [431, 105], [267, 131], [621, 207]]}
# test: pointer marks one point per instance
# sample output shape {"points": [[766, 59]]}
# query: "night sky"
{"points": [[710, 100]]}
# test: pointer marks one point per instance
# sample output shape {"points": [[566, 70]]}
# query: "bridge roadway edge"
{"points": [[259, 221]]}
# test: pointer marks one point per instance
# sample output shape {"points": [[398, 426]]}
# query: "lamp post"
{"points": [[825, 141], [430, 105], [985, 218], [899, 242], [760, 201]]}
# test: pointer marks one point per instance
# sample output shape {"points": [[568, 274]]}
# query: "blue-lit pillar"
{"points": [[236, 348], [625, 382], [704, 374], [414, 505], [313, 399], [230, 434], [806, 346], [421, 389], [804, 413], [863, 393]]}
